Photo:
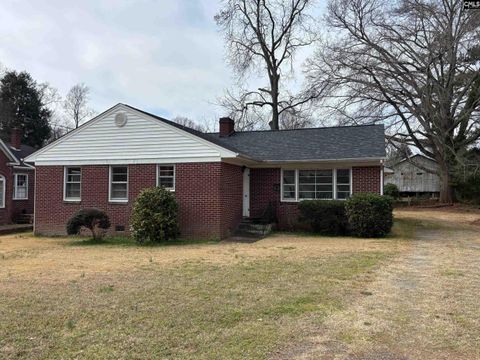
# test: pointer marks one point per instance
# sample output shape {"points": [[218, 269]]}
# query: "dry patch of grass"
{"points": [[60, 298], [422, 305]]}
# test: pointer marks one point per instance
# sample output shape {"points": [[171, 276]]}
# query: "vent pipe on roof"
{"points": [[227, 126], [16, 138]]}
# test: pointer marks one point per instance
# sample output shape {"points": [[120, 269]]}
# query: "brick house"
{"points": [[17, 180], [218, 178]]}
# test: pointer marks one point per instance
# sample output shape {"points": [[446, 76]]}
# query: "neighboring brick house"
{"points": [[217, 178], [17, 180]]}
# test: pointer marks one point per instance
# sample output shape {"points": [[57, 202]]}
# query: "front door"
{"points": [[246, 192]]}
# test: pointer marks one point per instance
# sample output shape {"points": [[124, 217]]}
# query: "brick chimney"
{"points": [[227, 126], [16, 138]]}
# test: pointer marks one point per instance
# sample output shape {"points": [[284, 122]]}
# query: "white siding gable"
{"points": [[141, 140]]}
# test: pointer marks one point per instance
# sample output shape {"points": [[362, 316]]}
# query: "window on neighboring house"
{"points": [[119, 183], [20, 187], [73, 183], [166, 176], [2, 191], [343, 183], [316, 184]]}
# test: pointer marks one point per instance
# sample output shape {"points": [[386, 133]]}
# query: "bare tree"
{"points": [[185, 121], [76, 104], [264, 35], [412, 64]]}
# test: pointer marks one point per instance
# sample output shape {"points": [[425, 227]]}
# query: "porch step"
{"points": [[24, 219], [248, 228]]}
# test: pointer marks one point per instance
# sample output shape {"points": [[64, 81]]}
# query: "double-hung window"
{"points": [[343, 183], [20, 187], [166, 177], [118, 183], [72, 183], [315, 184], [289, 189]]}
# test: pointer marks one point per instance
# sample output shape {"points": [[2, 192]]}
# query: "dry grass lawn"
{"points": [[412, 295]]}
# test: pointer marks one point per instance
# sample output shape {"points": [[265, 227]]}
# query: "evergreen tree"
{"points": [[22, 107]]}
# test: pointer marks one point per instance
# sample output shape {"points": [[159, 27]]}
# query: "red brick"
{"points": [[207, 195], [15, 207]]}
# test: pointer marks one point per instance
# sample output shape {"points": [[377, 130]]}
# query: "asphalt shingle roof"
{"points": [[327, 143], [21, 153]]}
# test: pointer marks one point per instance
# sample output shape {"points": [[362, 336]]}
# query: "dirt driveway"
{"points": [[423, 305]]}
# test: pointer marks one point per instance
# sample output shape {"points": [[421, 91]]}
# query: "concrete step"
{"points": [[247, 229]]}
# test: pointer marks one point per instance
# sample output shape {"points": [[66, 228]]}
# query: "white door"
{"points": [[246, 192]]}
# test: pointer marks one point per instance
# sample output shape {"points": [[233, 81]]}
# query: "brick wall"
{"points": [[366, 179], [231, 198], [197, 191], [14, 207], [265, 188], [206, 193]]}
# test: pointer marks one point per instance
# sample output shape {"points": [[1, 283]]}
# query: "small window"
{"points": [[343, 183], [288, 185], [2, 192], [419, 173], [73, 182], [20, 187], [119, 183], [166, 176]]}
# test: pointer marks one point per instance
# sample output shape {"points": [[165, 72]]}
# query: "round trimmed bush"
{"points": [[392, 191], [95, 220], [326, 217], [154, 216], [369, 215]]}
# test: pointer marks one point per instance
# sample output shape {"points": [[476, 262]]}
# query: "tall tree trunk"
{"points": [[274, 124], [446, 189]]}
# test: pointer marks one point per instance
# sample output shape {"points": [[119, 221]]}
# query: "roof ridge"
{"points": [[309, 128]]}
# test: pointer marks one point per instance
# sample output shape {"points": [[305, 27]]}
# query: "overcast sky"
{"points": [[162, 56]]}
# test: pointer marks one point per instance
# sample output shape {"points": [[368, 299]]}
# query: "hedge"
{"points": [[324, 217], [369, 215]]}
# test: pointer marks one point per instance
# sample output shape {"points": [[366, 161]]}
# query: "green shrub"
{"points": [[154, 216], [326, 217], [95, 220], [392, 191], [369, 215], [468, 190]]}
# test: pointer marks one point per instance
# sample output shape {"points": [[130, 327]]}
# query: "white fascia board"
{"points": [[128, 161], [379, 159], [8, 153], [24, 167]]}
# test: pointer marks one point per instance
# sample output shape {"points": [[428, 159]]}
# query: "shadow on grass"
{"points": [[124, 241]]}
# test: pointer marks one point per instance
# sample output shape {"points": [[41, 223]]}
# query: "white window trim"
{"points": [[334, 184], [15, 176], [110, 184], [2, 205], [65, 172], [174, 176], [296, 186]]}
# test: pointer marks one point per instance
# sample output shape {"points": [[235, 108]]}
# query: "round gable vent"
{"points": [[120, 119]]}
